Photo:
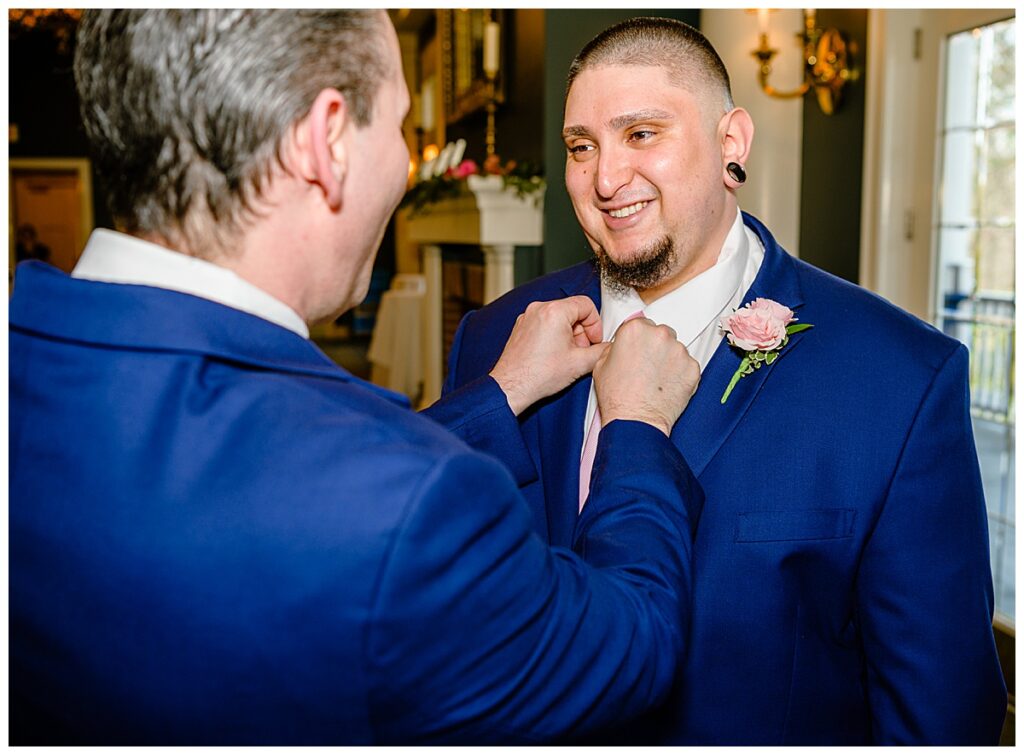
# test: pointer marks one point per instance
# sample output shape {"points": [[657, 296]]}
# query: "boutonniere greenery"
{"points": [[761, 330]]}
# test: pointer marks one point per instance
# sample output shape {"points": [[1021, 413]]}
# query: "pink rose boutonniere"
{"points": [[761, 329]]}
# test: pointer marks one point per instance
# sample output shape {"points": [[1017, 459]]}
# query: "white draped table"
{"points": [[395, 352]]}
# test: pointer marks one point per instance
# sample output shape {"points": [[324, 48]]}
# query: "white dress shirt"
{"points": [[114, 257], [694, 309]]}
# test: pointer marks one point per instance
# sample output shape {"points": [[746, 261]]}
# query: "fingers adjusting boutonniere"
{"points": [[761, 330]]}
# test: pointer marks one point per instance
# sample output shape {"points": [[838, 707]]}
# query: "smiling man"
{"points": [[842, 585]]}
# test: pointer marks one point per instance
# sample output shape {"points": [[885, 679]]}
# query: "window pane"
{"points": [[989, 337], [956, 262], [961, 81], [997, 199], [959, 177], [1000, 105], [1001, 549], [995, 266]]}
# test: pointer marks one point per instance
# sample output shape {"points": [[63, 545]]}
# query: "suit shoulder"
{"points": [[867, 322], [340, 422]]}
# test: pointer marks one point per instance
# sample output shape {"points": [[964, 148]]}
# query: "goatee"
{"points": [[646, 268]]}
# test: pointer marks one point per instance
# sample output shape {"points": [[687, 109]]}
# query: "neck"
{"points": [[287, 248], [702, 260], [275, 257]]}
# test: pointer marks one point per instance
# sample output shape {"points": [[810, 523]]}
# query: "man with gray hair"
{"points": [[217, 536], [842, 589]]}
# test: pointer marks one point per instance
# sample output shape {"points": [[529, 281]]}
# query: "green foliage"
{"points": [[526, 179], [433, 190]]}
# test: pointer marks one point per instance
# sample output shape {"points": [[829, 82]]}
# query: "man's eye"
{"points": [[578, 149], [640, 135]]}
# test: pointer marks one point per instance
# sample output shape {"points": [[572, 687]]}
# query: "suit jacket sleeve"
{"points": [[924, 592], [483, 634], [479, 414]]}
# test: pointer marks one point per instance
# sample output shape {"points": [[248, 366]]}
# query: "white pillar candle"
{"points": [[427, 105], [444, 159], [492, 34], [457, 153]]}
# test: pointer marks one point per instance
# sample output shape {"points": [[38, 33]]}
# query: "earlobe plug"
{"points": [[735, 170]]}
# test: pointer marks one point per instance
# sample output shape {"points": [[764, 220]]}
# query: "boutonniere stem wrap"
{"points": [[761, 330]]}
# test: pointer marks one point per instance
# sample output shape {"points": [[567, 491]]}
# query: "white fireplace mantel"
{"points": [[493, 218]]}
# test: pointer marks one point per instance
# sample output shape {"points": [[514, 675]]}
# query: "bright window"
{"points": [[975, 254]]}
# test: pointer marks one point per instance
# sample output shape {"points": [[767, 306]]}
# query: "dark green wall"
{"points": [[567, 31], [43, 102], [832, 160], [518, 120]]}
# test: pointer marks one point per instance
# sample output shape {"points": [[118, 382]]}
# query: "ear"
{"points": [[736, 134], [322, 154]]}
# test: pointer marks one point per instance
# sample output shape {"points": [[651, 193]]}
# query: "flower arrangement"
{"points": [[524, 178], [760, 330]]}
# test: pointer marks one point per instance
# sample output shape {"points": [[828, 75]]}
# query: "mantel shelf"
{"points": [[491, 215]]}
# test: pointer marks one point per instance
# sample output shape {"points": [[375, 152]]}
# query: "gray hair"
{"points": [[186, 110], [686, 54]]}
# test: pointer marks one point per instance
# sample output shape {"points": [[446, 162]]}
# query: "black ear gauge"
{"points": [[736, 171]]}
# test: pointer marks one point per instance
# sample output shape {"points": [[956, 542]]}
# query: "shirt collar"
{"points": [[689, 308], [114, 257]]}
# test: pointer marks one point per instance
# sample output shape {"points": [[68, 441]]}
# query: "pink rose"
{"points": [[466, 168], [759, 326]]}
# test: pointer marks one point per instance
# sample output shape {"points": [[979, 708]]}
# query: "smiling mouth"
{"points": [[625, 212]]}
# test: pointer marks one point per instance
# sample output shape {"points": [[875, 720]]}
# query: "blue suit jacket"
{"points": [[842, 588], [218, 536]]}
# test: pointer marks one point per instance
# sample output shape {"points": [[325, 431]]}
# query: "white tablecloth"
{"points": [[395, 350]]}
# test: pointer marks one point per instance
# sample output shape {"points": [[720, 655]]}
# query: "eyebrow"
{"points": [[621, 121], [628, 119]]}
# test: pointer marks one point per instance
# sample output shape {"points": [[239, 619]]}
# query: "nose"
{"points": [[614, 171]]}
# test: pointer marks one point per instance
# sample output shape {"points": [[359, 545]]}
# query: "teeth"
{"points": [[625, 212]]}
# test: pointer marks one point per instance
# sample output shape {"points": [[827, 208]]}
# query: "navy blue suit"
{"points": [[219, 536], [842, 588]]}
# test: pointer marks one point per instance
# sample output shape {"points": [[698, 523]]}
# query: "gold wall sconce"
{"points": [[828, 62]]}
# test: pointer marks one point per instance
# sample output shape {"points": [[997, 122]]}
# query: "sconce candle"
{"points": [[762, 20], [492, 33], [427, 105]]}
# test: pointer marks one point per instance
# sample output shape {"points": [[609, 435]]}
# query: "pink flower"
{"points": [[465, 168], [759, 326], [492, 165]]}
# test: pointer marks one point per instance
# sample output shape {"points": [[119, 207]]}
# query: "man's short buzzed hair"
{"points": [[686, 54]]}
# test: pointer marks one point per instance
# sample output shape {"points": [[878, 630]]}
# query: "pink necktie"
{"points": [[590, 447]]}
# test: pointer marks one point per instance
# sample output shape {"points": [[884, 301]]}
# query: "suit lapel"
{"points": [[707, 422], [561, 429]]}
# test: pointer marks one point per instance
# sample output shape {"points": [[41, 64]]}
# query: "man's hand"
{"points": [[552, 344], [645, 375]]}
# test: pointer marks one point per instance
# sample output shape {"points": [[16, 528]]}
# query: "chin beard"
{"points": [[648, 266]]}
